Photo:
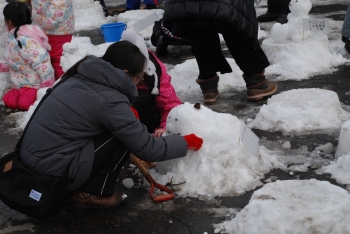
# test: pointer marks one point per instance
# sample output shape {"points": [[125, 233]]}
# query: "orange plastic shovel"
{"points": [[144, 171]]}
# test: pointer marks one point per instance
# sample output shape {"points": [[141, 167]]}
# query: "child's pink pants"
{"points": [[56, 42], [20, 99]]}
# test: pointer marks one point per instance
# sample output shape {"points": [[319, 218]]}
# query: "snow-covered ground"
{"points": [[224, 167]]}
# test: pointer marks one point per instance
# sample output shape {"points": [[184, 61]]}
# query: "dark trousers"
{"points": [[209, 55], [278, 6], [108, 163]]}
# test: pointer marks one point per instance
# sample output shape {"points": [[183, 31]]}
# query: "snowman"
{"points": [[293, 30], [223, 166]]}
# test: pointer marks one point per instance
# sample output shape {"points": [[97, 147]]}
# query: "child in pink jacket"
{"points": [[56, 19], [156, 95], [27, 55]]}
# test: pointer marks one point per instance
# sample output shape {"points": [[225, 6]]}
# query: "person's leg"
{"points": [[98, 190], [252, 61], [104, 8], [11, 99], [278, 6], [107, 165], [133, 4], [345, 31], [207, 50], [56, 42], [150, 4], [208, 53], [277, 10], [27, 96]]}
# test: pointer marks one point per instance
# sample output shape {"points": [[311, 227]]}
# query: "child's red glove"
{"points": [[193, 142], [135, 112]]}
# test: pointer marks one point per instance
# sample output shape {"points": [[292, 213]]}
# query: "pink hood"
{"points": [[33, 31]]}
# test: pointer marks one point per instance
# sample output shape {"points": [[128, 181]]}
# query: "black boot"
{"points": [[258, 87], [347, 43], [209, 89], [282, 19], [268, 17]]}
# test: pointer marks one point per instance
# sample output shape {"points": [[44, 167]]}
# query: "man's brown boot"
{"points": [[258, 87], [209, 89], [87, 200]]}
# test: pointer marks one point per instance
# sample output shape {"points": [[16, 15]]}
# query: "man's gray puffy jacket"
{"points": [[96, 100]]}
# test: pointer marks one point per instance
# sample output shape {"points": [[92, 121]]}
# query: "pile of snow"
{"points": [[339, 169], [89, 15], [222, 167], [184, 77], [78, 49], [301, 110], [131, 17], [300, 60], [295, 206]]}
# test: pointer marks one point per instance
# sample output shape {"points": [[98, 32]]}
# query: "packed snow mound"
{"points": [[184, 78], [300, 60], [92, 10], [222, 167], [301, 110], [339, 169], [78, 49], [293, 206], [131, 17]]}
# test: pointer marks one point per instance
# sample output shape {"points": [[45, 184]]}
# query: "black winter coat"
{"points": [[238, 13]]}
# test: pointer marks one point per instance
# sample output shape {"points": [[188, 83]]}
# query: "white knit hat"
{"points": [[131, 36]]}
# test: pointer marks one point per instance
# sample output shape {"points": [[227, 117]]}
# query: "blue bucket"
{"points": [[112, 32]]}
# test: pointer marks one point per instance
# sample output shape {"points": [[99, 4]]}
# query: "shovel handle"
{"points": [[145, 173], [139, 165]]}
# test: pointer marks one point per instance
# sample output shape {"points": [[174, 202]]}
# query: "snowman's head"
{"points": [[300, 7], [185, 119]]}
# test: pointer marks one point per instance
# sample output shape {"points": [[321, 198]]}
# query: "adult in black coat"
{"points": [[277, 10], [236, 21]]}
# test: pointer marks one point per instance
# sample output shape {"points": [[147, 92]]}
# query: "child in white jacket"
{"points": [[27, 55]]}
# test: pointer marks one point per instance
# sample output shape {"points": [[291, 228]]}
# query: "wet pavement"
{"points": [[138, 214]]}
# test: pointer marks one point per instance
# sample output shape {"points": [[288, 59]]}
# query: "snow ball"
{"points": [[128, 183]]}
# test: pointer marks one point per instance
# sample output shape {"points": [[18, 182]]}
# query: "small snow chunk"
{"points": [[128, 183], [286, 145]]}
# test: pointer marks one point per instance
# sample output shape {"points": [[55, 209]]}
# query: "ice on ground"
{"points": [[301, 110], [222, 167], [293, 206]]}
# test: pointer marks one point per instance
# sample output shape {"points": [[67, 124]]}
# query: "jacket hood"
{"points": [[32, 31], [103, 73]]}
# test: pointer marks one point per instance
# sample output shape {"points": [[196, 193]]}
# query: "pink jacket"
{"points": [[30, 66], [167, 99], [35, 32]]}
